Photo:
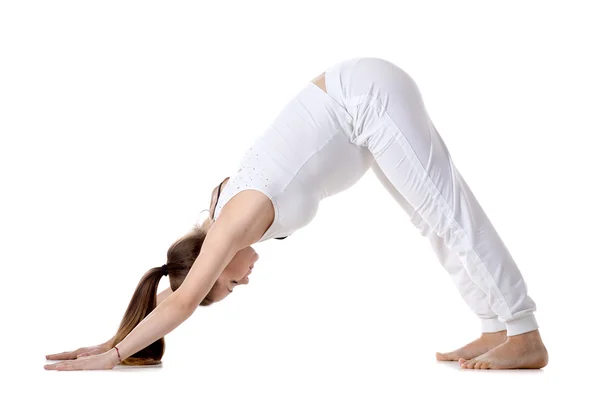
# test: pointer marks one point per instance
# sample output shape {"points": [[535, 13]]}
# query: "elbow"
{"points": [[184, 304]]}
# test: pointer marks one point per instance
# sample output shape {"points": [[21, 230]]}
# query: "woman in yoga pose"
{"points": [[360, 113]]}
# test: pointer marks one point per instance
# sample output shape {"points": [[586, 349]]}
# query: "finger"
{"points": [[59, 366], [51, 366], [65, 355]]}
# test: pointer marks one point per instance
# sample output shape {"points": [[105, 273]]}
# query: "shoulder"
{"points": [[246, 217]]}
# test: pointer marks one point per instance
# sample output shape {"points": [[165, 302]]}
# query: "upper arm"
{"points": [[242, 222]]}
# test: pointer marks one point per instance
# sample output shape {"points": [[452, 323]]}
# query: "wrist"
{"points": [[113, 354]]}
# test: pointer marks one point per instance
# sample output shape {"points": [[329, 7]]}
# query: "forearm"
{"points": [[160, 297], [163, 295], [218, 249], [168, 315]]}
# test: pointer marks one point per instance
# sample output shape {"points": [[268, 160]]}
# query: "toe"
{"points": [[485, 365], [478, 364]]}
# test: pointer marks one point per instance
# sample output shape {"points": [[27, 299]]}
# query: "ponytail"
{"points": [[141, 304]]}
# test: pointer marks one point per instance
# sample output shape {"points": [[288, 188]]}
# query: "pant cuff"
{"points": [[522, 325], [490, 325]]}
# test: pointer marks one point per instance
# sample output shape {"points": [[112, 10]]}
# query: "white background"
{"points": [[118, 118]]}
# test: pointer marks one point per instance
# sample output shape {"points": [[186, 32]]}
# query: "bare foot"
{"points": [[485, 343], [520, 351]]}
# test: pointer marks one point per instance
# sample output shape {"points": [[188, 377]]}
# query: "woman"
{"points": [[360, 113]]}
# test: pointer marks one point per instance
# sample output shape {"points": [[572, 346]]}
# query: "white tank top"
{"points": [[304, 156]]}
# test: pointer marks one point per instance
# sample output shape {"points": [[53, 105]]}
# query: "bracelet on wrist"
{"points": [[118, 354]]}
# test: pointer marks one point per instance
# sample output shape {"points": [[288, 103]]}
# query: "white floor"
{"points": [[360, 374]]}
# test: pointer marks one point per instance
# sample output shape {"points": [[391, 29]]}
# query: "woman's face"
{"points": [[235, 273]]}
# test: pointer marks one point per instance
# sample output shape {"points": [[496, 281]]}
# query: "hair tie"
{"points": [[164, 269]]}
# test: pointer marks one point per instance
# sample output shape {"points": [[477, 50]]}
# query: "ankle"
{"points": [[531, 336], [494, 335]]}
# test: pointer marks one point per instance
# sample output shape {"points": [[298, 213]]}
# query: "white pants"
{"points": [[413, 163]]}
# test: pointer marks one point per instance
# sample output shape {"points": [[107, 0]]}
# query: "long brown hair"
{"points": [[180, 257]]}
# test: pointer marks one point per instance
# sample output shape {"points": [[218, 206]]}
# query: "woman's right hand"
{"points": [[80, 352]]}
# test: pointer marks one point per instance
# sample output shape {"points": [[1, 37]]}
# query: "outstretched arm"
{"points": [[217, 251], [242, 222]]}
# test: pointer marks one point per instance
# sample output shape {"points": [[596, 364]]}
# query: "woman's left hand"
{"points": [[106, 360]]}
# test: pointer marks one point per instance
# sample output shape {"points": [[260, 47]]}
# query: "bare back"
{"points": [[320, 82]]}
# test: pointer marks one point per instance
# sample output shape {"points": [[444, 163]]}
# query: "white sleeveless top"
{"points": [[304, 156]]}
